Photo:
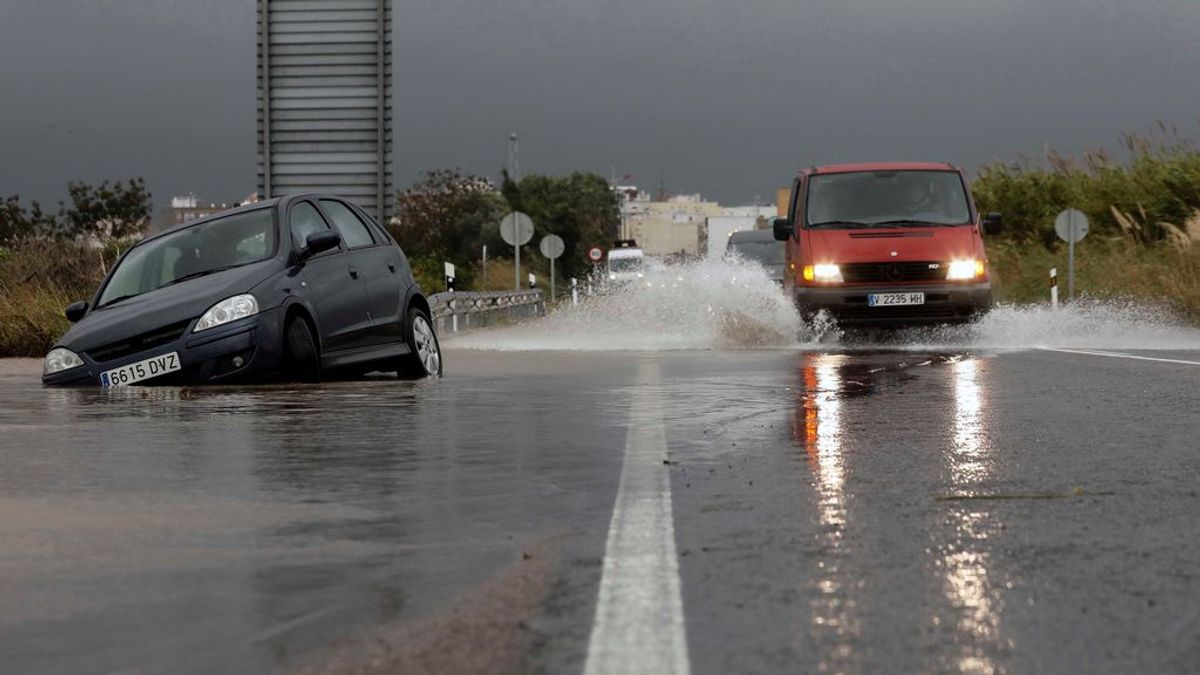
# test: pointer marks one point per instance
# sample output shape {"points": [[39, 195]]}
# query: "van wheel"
{"points": [[300, 359], [425, 354]]}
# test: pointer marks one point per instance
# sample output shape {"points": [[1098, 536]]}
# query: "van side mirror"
{"points": [[993, 224], [75, 311], [319, 242], [782, 228]]}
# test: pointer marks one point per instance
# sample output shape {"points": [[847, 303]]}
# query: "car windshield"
{"points": [[887, 198], [765, 252], [624, 264], [193, 252]]}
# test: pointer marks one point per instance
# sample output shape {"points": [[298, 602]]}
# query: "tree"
{"points": [[581, 208], [447, 216], [101, 213], [17, 223], [106, 212]]}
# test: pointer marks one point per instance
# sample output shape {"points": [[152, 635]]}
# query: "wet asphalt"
{"points": [[862, 511]]}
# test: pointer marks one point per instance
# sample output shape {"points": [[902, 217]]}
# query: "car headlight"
{"points": [[229, 309], [963, 270], [60, 359], [824, 273]]}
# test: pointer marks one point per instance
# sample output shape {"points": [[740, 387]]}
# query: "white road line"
{"points": [[1115, 355], [639, 612]]}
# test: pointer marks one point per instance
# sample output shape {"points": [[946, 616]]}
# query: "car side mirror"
{"points": [[75, 311], [319, 242], [993, 224], [782, 228]]}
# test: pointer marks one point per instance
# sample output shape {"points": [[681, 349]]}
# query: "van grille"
{"points": [[893, 272], [139, 343]]}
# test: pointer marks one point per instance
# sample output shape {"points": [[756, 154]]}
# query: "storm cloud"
{"points": [[725, 98]]}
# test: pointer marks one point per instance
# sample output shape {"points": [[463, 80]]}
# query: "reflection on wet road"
{"points": [[941, 511]]}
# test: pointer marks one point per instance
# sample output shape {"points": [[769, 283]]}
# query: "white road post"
{"points": [[1054, 287], [574, 291]]}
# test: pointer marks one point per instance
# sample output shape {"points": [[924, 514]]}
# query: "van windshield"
{"points": [[192, 252], [887, 199]]}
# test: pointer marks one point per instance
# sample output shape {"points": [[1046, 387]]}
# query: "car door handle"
{"points": [[353, 272], [392, 267]]}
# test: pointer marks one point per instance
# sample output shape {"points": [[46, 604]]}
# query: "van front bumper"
{"points": [[944, 303]]}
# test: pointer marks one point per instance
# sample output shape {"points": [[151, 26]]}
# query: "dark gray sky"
{"points": [[724, 97]]}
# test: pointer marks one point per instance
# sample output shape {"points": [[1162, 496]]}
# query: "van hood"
{"points": [[161, 307], [894, 244]]}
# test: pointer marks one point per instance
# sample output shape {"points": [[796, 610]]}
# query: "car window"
{"points": [[194, 251], [354, 233], [305, 219]]}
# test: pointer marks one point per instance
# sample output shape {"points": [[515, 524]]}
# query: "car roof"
{"points": [[274, 202], [881, 166]]}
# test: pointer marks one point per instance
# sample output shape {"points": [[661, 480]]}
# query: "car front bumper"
{"points": [[944, 303], [205, 358]]}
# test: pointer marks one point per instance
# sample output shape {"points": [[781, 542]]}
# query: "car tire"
{"points": [[300, 359], [425, 352]]}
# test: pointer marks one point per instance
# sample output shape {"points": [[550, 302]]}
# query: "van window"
{"points": [[894, 198]]}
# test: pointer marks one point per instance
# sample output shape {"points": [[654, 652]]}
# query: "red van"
{"points": [[886, 243]]}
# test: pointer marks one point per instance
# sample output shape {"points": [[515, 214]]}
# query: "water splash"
{"points": [[1087, 324], [720, 304], [710, 304]]}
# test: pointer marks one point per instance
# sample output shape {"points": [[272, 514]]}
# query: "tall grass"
{"points": [[38, 279], [1144, 210]]}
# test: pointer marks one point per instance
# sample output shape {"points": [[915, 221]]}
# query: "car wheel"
{"points": [[425, 354], [300, 360]]}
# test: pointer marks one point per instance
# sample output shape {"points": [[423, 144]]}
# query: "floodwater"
{"points": [[959, 500]]}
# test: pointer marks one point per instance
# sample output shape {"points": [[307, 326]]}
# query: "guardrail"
{"points": [[456, 311]]}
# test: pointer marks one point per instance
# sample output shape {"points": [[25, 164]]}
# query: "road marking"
{"points": [[1115, 355], [639, 611]]}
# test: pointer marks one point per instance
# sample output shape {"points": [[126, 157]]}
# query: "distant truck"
{"points": [[886, 243], [626, 262]]}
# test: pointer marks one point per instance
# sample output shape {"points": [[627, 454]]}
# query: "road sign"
{"points": [[1071, 226], [516, 229], [552, 247], [595, 254]]}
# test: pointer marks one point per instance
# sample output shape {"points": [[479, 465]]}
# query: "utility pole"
{"points": [[514, 157]]}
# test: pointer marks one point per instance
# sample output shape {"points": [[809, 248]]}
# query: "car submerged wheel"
{"points": [[425, 356], [300, 359]]}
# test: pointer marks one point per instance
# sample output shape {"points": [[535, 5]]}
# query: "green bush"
{"points": [[38, 279]]}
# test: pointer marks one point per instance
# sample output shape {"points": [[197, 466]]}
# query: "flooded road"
{"points": [[939, 510]]}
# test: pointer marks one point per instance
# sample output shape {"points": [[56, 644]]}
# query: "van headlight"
{"points": [[826, 273], [60, 359], [229, 309], [965, 270]]}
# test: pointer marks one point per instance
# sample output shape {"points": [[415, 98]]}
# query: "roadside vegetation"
{"points": [[1144, 210], [450, 217]]}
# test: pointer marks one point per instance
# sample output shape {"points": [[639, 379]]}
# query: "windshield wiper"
{"points": [[909, 221], [117, 299], [195, 275], [841, 223]]}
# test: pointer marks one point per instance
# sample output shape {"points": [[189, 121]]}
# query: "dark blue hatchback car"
{"points": [[291, 287]]}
